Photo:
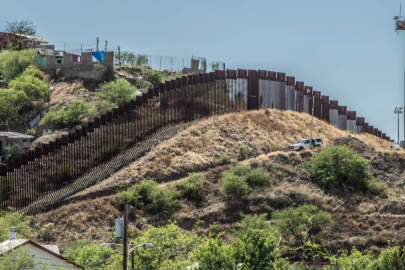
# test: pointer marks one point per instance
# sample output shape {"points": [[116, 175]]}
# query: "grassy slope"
{"points": [[198, 149]]}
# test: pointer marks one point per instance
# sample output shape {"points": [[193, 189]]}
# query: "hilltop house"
{"points": [[27, 41]]}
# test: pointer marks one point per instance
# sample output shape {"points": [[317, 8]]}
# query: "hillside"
{"points": [[359, 219]]}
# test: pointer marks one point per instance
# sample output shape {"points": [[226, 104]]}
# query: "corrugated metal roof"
{"points": [[15, 135], [10, 244]]}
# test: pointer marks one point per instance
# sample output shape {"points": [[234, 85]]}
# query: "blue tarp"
{"points": [[98, 55]]}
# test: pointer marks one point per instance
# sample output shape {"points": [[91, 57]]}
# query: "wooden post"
{"points": [[125, 255], [97, 43], [105, 46]]}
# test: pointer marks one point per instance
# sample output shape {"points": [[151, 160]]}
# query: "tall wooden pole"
{"points": [[119, 55]]}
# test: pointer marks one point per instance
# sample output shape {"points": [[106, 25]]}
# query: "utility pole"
{"points": [[81, 48], [125, 255], [105, 46], [119, 55], [160, 68], [312, 119], [171, 63], [97, 44]]}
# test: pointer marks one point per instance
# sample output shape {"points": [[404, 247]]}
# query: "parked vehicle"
{"points": [[395, 147], [305, 144]]}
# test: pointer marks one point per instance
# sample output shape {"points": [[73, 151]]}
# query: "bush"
{"points": [[244, 151], [192, 185], [268, 147], [116, 92], [233, 161], [301, 222], [241, 170], [224, 159], [257, 222], [376, 187], [150, 196], [339, 165], [75, 112], [155, 77], [31, 83], [258, 178], [234, 186]]}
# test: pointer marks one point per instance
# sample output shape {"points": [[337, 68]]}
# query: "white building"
{"points": [[46, 253]]}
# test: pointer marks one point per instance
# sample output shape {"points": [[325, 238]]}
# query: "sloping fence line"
{"points": [[57, 165]]}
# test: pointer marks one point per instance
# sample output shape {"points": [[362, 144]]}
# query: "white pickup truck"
{"points": [[305, 144]]}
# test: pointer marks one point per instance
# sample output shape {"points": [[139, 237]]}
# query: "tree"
{"points": [[74, 113], [258, 249], [14, 219], [126, 58], [234, 186], [142, 60], [339, 165], [116, 92], [16, 29], [301, 222], [14, 63], [212, 254], [173, 246], [31, 83], [11, 102]]}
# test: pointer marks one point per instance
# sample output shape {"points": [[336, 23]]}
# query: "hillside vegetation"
{"points": [[206, 176]]}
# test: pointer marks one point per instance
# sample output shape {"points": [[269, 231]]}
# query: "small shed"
{"points": [[18, 142]]}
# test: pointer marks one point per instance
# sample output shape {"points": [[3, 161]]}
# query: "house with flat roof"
{"points": [[17, 143]]}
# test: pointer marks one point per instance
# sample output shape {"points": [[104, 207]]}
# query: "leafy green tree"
{"points": [[393, 258], [258, 249], [74, 113], [94, 256], [126, 58], [301, 222], [173, 246], [142, 60], [339, 165], [257, 222], [116, 92], [14, 219], [11, 102], [13, 63], [21, 259], [212, 253], [155, 77], [18, 28], [31, 83]]}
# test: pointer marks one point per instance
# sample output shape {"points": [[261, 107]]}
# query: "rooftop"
{"points": [[15, 135]]}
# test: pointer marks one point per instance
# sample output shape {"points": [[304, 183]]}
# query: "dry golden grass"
{"points": [[200, 146]]}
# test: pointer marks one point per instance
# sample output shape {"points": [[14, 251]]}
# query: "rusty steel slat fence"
{"points": [[41, 178]]}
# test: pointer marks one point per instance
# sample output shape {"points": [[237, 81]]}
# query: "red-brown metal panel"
{"points": [[144, 99], [3, 170], [138, 101], [272, 75], [365, 127], [334, 104], [299, 86], [370, 129], [17, 163], [262, 74], [308, 90], [290, 80], [351, 115], [45, 149], [78, 133], [114, 113], [163, 87], [84, 131], [375, 131], [201, 78], [156, 89], [150, 93], [253, 90], [379, 133], [71, 136], [242, 74], [360, 121], [52, 146], [196, 79], [10, 167], [179, 82], [384, 136], [231, 74], [342, 110], [325, 108], [65, 139], [317, 105], [212, 76], [281, 76], [220, 74], [190, 79], [208, 77], [24, 160]]}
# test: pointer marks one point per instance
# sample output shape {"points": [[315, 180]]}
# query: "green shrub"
{"points": [[258, 178], [376, 187], [244, 151], [224, 159], [233, 161], [75, 112], [241, 170], [192, 185], [257, 222], [269, 147], [155, 77], [116, 92], [234, 186], [339, 165], [150, 196]]}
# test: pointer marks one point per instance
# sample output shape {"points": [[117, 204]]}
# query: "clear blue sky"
{"points": [[347, 49]]}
